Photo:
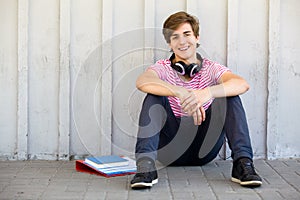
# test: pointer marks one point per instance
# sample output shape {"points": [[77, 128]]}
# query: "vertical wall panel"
{"points": [[43, 78], [85, 73], [8, 78], [251, 61], [105, 84], [289, 78], [22, 57], [64, 81], [284, 77], [127, 60], [273, 77]]}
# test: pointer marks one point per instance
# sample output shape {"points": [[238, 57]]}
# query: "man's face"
{"points": [[183, 42]]}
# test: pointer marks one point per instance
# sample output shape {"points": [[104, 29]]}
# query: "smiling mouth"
{"points": [[183, 48]]}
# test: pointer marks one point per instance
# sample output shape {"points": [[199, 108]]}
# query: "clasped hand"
{"points": [[192, 103]]}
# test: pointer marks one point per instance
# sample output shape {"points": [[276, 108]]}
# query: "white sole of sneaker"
{"points": [[246, 183], [143, 184]]}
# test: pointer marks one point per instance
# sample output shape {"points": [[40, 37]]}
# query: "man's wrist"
{"points": [[177, 91], [210, 93]]}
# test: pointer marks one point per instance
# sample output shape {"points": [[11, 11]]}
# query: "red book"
{"points": [[82, 166]]}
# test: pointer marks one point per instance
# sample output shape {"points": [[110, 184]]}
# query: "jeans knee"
{"points": [[234, 102], [154, 99], [234, 99]]}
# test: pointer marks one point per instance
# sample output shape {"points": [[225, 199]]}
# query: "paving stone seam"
{"points": [[283, 178]]}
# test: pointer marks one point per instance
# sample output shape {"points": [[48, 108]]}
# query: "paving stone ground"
{"points": [[59, 180]]}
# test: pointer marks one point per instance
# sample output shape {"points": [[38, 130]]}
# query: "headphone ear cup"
{"points": [[179, 67], [192, 69]]}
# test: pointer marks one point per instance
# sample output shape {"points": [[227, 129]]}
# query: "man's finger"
{"points": [[191, 105], [186, 102], [202, 110], [197, 117]]}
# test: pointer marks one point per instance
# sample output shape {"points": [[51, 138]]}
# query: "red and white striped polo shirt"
{"points": [[207, 76]]}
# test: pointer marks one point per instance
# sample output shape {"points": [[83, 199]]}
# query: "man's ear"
{"points": [[171, 50], [198, 39]]}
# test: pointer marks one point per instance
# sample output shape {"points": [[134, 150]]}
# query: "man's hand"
{"points": [[192, 102]]}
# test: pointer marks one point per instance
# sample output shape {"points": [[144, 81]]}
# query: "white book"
{"points": [[101, 162]]}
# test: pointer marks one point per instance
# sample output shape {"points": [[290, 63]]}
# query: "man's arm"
{"points": [[149, 82], [230, 84]]}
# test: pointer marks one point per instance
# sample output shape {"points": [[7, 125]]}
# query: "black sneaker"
{"points": [[146, 175], [243, 172]]}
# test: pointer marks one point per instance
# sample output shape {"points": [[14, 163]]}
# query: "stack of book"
{"points": [[107, 166]]}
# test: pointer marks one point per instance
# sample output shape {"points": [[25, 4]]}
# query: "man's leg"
{"points": [[155, 114], [237, 133], [236, 129]]}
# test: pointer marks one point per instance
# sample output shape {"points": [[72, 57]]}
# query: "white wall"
{"points": [[8, 77], [284, 77], [68, 70]]}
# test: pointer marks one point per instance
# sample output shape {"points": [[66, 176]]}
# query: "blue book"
{"points": [[82, 166], [106, 161], [128, 169]]}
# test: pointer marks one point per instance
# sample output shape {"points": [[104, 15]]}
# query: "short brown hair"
{"points": [[175, 20]]}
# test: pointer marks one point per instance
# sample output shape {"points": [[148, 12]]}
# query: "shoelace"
{"points": [[142, 176], [143, 169], [143, 172], [248, 168]]}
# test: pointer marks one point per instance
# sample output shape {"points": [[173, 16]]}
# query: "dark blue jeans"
{"points": [[177, 141]]}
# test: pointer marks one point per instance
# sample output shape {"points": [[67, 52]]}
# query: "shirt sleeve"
{"points": [[216, 70], [159, 69]]}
